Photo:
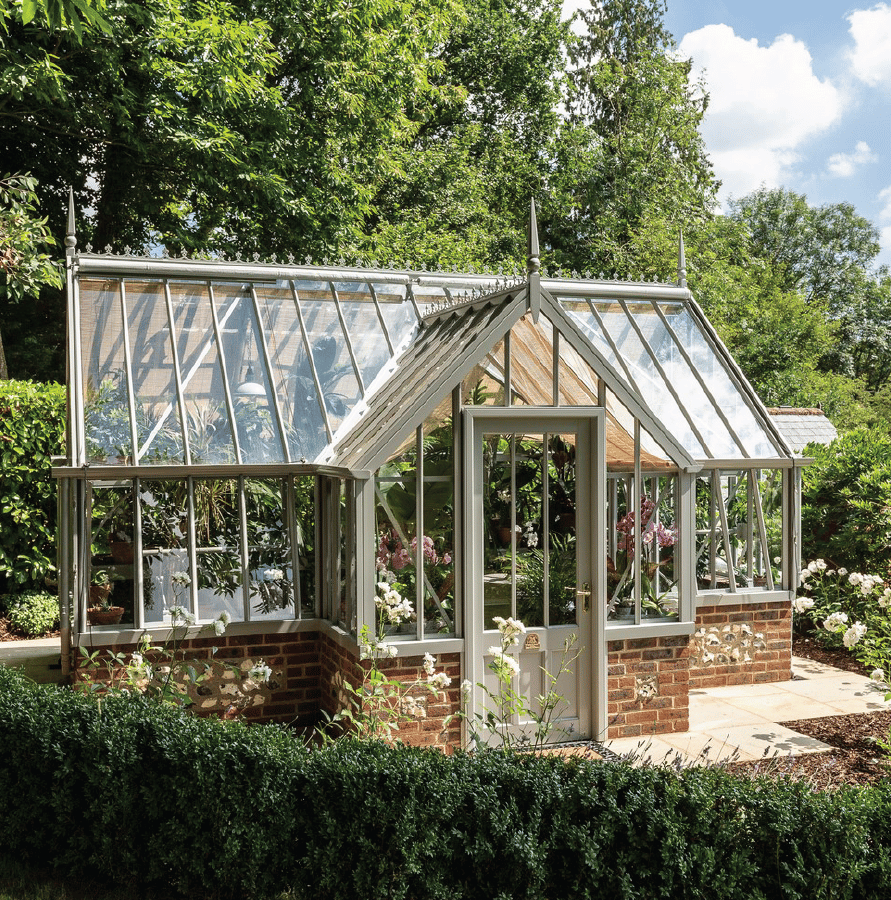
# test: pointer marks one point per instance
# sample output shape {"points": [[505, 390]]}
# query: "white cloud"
{"points": [[885, 217], [843, 165], [871, 56], [764, 103]]}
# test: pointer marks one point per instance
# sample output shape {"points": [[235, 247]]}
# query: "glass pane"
{"points": [[305, 521], [396, 485], [364, 329], [561, 545], [330, 354], [270, 565], [484, 386], [297, 393], [397, 311], [218, 538], [107, 410], [163, 508], [254, 406], [531, 353], [439, 534], [208, 425], [112, 578], [499, 516], [158, 424]]}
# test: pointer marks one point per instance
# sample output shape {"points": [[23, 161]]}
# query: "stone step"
{"points": [[40, 659]]}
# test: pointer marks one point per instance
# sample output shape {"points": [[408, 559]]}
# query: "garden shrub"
{"points": [[32, 425], [33, 613], [846, 503], [146, 794]]}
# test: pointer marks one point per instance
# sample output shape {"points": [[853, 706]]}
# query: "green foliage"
{"points": [[846, 502], [31, 432], [149, 795], [33, 613]]}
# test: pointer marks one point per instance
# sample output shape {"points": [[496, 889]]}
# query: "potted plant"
{"points": [[100, 610]]}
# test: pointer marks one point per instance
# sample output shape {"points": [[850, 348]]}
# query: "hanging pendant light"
{"points": [[250, 388]]}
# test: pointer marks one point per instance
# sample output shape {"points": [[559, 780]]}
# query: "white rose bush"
{"points": [[850, 610]]}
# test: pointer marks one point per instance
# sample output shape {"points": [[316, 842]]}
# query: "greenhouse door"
{"points": [[533, 523]]}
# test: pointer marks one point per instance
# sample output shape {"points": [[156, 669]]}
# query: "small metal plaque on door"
{"points": [[532, 642]]}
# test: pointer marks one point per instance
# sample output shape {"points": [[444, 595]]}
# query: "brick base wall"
{"points": [[647, 686], [292, 694], [427, 727], [308, 672], [749, 643]]}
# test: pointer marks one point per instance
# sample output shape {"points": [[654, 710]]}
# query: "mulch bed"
{"points": [[7, 634]]}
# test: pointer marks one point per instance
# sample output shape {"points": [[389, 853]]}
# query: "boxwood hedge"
{"points": [[149, 795]]}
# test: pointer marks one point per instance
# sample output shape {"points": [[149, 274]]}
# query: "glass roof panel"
{"points": [[330, 353], [208, 425], [397, 311], [159, 434], [364, 328], [256, 425], [292, 373], [106, 385], [727, 395]]}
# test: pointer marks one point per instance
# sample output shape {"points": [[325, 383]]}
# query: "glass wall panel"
{"points": [[641, 542], [484, 386], [164, 515], [739, 529], [112, 578], [218, 551], [109, 438], [305, 537], [270, 566], [158, 423], [439, 525], [208, 426], [256, 424], [561, 539], [396, 490]]}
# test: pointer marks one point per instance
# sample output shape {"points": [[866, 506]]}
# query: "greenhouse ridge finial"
{"points": [[533, 266], [70, 236], [533, 260], [682, 261]]}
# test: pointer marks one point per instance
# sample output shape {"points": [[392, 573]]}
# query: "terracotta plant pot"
{"points": [[99, 593], [111, 615], [121, 552]]}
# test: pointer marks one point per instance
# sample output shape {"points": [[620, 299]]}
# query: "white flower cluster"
{"points": [[835, 621], [260, 672], [854, 635], [803, 604], [183, 579], [866, 583], [139, 666], [885, 599], [437, 680], [390, 602], [878, 675], [273, 574], [511, 629], [504, 664], [179, 615], [377, 649], [221, 623]]}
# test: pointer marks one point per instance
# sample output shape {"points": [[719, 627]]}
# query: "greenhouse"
{"points": [[283, 442]]}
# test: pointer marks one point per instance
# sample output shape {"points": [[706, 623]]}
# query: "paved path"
{"points": [[743, 719], [41, 659]]}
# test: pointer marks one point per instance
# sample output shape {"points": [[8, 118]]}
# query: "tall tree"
{"points": [[630, 152]]}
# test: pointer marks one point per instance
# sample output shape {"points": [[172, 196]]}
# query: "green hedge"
{"points": [[147, 795], [32, 427]]}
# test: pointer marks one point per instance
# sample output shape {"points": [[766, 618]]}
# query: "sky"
{"points": [[799, 97]]}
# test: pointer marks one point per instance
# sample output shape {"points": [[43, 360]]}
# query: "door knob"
{"points": [[586, 593]]}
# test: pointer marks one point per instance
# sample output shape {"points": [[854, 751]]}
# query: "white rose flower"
{"points": [[877, 675], [835, 621], [219, 627], [429, 663], [803, 604], [842, 571], [853, 635], [439, 681], [260, 672]]}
